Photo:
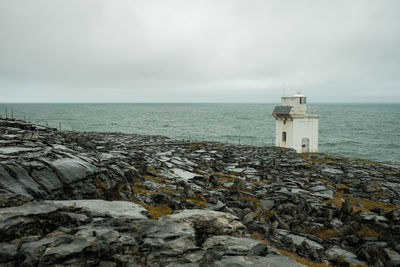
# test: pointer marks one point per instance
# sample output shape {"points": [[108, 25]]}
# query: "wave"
{"points": [[361, 131]]}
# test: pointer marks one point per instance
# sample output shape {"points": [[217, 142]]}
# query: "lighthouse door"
{"points": [[305, 145]]}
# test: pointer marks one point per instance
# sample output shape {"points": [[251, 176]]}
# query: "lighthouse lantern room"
{"points": [[296, 127]]}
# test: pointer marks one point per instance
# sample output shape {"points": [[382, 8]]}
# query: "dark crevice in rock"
{"points": [[320, 207]]}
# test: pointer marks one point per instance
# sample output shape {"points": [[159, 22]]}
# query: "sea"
{"points": [[366, 131]]}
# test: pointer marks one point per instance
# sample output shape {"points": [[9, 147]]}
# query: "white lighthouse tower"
{"points": [[295, 126]]}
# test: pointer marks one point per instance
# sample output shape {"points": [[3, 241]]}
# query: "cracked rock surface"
{"points": [[112, 199]]}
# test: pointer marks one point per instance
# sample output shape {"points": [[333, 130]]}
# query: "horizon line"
{"points": [[2, 103]]}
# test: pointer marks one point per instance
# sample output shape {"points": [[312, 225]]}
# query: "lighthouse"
{"points": [[295, 126]]}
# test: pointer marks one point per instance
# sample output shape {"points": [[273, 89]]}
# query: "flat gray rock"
{"points": [[16, 150], [102, 208], [231, 245], [392, 255], [31, 250], [331, 171], [71, 170], [184, 175], [27, 209], [267, 203], [10, 184], [336, 251], [317, 188], [23, 178], [328, 194], [47, 179], [256, 261], [298, 240], [168, 238], [8, 252], [372, 217], [212, 222], [8, 199], [54, 254]]}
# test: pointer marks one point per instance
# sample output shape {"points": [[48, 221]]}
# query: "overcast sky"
{"points": [[199, 51]]}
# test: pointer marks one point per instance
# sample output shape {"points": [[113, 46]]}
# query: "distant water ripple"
{"points": [[369, 131]]}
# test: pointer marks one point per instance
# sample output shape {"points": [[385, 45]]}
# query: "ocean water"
{"points": [[367, 131]]}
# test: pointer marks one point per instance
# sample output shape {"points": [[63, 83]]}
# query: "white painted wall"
{"points": [[305, 128], [296, 130], [297, 108], [287, 127]]}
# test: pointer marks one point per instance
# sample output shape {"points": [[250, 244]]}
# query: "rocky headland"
{"points": [[113, 199]]}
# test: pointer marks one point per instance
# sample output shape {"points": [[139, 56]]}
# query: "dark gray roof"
{"points": [[282, 110]]}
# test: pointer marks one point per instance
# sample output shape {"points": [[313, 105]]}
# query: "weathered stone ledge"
{"points": [[113, 199]]}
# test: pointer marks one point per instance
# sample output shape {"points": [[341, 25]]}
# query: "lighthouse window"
{"points": [[302, 100], [283, 136]]}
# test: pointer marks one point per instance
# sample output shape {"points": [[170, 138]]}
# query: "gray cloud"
{"points": [[223, 51]]}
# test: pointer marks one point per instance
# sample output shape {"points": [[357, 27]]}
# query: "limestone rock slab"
{"points": [[70, 170], [257, 261], [102, 208], [212, 222], [231, 245]]}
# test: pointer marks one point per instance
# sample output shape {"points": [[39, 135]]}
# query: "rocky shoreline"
{"points": [[113, 199]]}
